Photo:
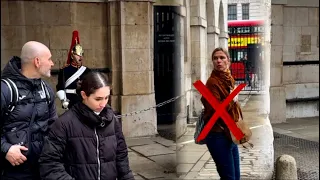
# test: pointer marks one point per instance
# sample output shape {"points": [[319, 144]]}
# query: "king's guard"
{"points": [[71, 73]]}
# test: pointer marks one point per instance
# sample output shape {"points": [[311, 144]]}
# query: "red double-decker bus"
{"points": [[245, 38]]}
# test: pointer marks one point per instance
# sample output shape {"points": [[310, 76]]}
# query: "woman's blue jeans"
{"points": [[225, 154]]}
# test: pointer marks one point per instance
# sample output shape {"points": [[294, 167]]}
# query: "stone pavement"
{"points": [[195, 162], [304, 128], [152, 158], [299, 138]]}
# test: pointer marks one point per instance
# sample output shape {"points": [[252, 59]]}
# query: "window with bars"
{"points": [[232, 12], [245, 11]]}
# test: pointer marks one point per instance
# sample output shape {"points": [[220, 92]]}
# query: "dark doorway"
{"points": [[255, 58], [254, 55], [166, 61]]}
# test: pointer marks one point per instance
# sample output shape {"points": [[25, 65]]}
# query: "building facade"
{"points": [[128, 37], [294, 68], [291, 53], [134, 39], [246, 9]]}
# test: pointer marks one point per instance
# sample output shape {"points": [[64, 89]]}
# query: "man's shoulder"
{"points": [[68, 67], [7, 85], [46, 83], [87, 69], [65, 66], [4, 89]]}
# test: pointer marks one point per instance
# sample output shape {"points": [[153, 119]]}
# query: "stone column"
{"points": [[223, 39], [223, 24], [131, 50], [187, 58], [213, 42], [277, 90], [181, 120], [198, 26]]}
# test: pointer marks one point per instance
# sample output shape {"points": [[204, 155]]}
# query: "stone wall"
{"points": [[52, 24], [116, 35], [295, 38], [119, 35], [131, 47]]}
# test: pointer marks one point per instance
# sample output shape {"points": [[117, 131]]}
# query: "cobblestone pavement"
{"points": [[305, 152]]}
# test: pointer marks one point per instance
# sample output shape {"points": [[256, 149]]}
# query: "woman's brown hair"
{"points": [[225, 51]]}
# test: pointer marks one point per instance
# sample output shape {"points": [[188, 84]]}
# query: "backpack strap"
{"points": [[14, 95], [46, 91]]}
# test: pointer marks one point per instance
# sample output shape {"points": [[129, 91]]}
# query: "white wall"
{"points": [[255, 8]]}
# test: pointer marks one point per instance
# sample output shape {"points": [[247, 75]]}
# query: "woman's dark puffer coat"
{"points": [[84, 146]]}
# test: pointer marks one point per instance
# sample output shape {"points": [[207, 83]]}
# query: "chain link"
{"points": [[158, 105], [164, 103]]}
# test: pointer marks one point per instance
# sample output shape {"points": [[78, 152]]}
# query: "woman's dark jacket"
{"points": [[84, 146]]}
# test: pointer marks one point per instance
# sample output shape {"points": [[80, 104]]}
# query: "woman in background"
{"points": [[220, 145]]}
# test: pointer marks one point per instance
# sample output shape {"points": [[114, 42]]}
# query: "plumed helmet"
{"points": [[75, 47]]}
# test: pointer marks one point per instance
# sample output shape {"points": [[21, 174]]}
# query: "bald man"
{"points": [[25, 120]]}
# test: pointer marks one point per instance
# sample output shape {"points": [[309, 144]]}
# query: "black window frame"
{"points": [[245, 11], [232, 13]]}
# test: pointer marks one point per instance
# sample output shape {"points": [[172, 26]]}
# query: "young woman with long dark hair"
{"points": [[87, 142]]}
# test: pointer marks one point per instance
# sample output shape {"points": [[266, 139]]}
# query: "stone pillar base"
{"points": [[277, 104], [181, 124], [141, 124]]}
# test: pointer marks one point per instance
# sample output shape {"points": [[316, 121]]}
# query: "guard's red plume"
{"points": [[75, 40]]}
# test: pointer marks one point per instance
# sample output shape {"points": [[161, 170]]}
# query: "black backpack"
{"points": [[16, 100]]}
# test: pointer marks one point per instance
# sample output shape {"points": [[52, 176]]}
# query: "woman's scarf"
{"points": [[221, 84]]}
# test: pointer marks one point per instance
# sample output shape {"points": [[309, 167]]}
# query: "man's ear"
{"points": [[37, 62]]}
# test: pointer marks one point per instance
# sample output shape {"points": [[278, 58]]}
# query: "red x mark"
{"points": [[220, 110]]}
